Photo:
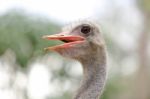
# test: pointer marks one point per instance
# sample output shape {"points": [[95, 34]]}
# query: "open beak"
{"points": [[69, 40]]}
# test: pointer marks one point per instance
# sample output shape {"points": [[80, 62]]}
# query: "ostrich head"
{"points": [[81, 40]]}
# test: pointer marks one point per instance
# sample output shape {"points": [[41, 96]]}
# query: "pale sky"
{"points": [[61, 10], [65, 10]]}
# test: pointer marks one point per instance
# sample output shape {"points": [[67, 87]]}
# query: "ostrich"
{"points": [[83, 42]]}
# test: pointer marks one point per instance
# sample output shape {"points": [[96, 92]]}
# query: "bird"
{"points": [[83, 41]]}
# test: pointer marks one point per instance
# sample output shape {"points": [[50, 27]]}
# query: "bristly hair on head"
{"points": [[73, 25]]}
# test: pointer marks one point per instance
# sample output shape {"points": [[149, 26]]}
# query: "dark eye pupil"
{"points": [[85, 29]]}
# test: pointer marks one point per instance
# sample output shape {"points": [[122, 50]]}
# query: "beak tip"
{"points": [[43, 37], [45, 49]]}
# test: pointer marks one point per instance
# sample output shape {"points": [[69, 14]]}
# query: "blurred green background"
{"points": [[27, 72]]}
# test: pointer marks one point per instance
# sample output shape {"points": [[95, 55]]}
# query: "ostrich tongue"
{"points": [[69, 40]]}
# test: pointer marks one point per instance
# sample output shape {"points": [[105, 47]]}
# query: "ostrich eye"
{"points": [[85, 29]]}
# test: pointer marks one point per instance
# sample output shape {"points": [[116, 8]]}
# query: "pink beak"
{"points": [[71, 40]]}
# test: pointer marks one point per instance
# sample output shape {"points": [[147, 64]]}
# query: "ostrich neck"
{"points": [[94, 76]]}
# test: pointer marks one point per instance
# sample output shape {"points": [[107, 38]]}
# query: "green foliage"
{"points": [[22, 33], [145, 4], [113, 87]]}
